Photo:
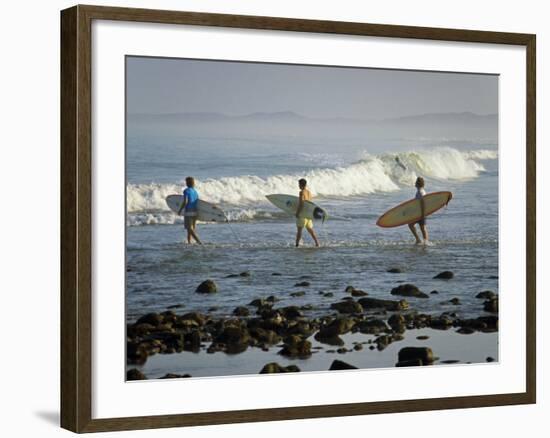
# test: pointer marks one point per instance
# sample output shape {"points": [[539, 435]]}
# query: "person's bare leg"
{"points": [[298, 236], [424, 232], [412, 227], [189, 236], [311, 231], [195, 235]]}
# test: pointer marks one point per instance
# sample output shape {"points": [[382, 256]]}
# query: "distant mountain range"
{"points": [[292, 117]]}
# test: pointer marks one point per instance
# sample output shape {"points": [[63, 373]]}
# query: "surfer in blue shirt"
{"points": [[420, 193], [190, 208]]}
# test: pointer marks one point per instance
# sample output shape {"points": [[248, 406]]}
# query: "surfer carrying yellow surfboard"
{"points": [[301, 222], [420, 193]]}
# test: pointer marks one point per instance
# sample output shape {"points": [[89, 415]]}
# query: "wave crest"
{"points": [[373, 173]]}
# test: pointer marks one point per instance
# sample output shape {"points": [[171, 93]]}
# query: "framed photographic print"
{"points": [[304, 218]]}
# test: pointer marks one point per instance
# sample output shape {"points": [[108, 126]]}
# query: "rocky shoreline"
{"points": [[264, 325]]}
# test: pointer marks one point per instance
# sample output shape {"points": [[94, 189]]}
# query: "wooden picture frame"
{"points": [[76, 217]]}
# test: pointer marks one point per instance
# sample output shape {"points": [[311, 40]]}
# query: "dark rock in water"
{"points": [[274, 367], [272, 299], [136, 353], [491, 322], [424, 354], [397, 323], [465, 330], [244, 274], [327, 339], [213, 309], [265, 336], [342, 350], [258, 302], [358, 347], [135, 374], [292, 340], [441, 323], [338, 365], [375, 303], [408, 290], [197, 317], [434, 292], [291, 312], [231, 335], [355, 292], [491, 305], [297, 349], [409, 363], [373, 327], [303, 284], [486, 294], [297, 294], [422, 337], [493, 277], [445, 275], [175, 376], [394, 271], [328, 294], [358, 293], [207, 287], [383, 341], [176, 306], [154, 319], [191, 341], [473, 324], [241, 311], [232, 276], [349, 306], [449, 361], [490, 359], [173, 341], [134, 330], [338, 326], [168, 316], [455, 301], [277, 274], [301, 328]]}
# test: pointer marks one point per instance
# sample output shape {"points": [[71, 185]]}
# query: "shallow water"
{"points": [[446, 346], [164, 271]]}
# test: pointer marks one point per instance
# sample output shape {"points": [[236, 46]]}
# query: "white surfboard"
{"points": [[289, 204], [207, 212]]}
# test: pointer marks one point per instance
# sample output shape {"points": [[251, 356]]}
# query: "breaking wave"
{"points": [[243, 196]]}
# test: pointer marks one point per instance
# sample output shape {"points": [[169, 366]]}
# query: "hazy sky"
{"points": [[178, 85]]}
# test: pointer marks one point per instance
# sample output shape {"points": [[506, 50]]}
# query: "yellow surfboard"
{"points": [[410, 211]]}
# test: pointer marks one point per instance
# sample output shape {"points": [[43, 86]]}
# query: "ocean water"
{"points": [[355, 182]]}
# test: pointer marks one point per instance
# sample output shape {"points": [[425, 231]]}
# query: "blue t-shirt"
{"points": [[192, 197]]}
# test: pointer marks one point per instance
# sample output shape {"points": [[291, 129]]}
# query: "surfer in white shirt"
{"points": [[420, 193]]}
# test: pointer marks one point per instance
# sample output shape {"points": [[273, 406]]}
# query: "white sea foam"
{"points": [[243, 195], [482, 154]]}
